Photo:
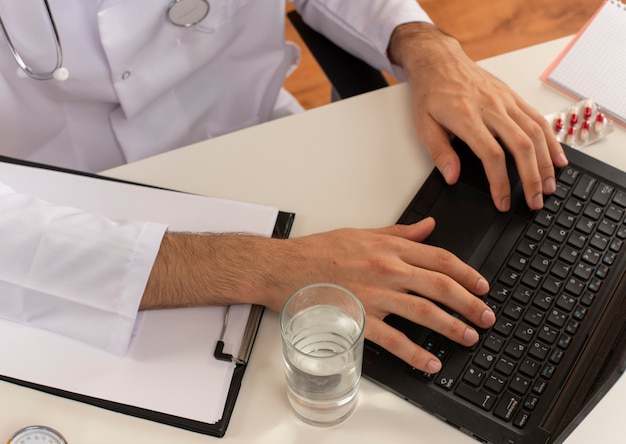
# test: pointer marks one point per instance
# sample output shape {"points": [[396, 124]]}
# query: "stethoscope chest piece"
{"points": [[187, 13]]}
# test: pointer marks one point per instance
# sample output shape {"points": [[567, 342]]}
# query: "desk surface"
{"points": [[352, 163]]}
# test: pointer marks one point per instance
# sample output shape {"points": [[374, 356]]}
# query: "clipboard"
{"points": [[281, 229]]}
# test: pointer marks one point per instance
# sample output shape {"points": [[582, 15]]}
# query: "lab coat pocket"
{"points": [[149, 55]]}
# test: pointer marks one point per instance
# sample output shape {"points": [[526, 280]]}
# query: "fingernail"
{"points": [[488, 318], [446, 171], [471, 336], [549, 185], [482, 286], [562, 160], [505, 203], [538, 201], [433, 366]]}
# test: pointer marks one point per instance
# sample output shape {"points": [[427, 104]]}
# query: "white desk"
{"points": [[353, 163]]}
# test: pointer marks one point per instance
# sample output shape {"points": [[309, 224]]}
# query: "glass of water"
{"points": [[322, 327]]}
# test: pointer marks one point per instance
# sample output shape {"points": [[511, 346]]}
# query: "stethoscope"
{"points": [[183, 13]]}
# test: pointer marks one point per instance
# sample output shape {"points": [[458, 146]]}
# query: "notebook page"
{"points": [[594, 66]]}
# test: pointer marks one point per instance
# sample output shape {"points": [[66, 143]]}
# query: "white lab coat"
{"points": [[138, 86]]}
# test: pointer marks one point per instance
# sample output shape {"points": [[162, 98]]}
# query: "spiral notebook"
{"points": [[593, 65]]}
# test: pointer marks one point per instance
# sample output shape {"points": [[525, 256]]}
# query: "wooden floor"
{"points": [[486, 28]]}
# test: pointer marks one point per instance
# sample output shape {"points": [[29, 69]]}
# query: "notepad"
{"points": [[169, 374], [593, 65]]}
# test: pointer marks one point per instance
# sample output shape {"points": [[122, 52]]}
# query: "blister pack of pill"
{"points": [[580, 124]]}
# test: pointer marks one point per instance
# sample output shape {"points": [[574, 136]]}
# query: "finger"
{"points": [[554, 147], [555, 150], [416, 232], [522, 148], [534, 126], [401, 346], [436, 140], [442, 289], [426, 258], [429, 257]]}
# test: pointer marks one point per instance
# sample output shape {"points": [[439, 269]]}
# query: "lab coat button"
{"points": [[126, 75]]}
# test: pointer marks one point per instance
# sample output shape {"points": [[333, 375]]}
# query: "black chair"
{"points": [[348, 75]]}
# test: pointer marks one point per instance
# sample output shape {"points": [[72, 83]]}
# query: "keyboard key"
{"points": [[525, 333], [509, 277], [556, 356], [515, 349], [474, 376], [583, 271], [521, 419], [533, 316], [574, 206], [493, 343], [507, 406], [564, 341], [539, 351], [585, 225], [539, 386], [566, 302], [561, 269], [500, 293], [495, 383], [552, 204], [540, 264], [478, 397], [607, 227], [557, 318], [620, 198], [529, 367], [548, 334], [518, 262], [593, 211], [532, 279], [522, 294], [603, 194], [569, 175], [531, 402], [615, 213], [504, 327], [548, 371], [505, 366], [565, 220], [543, 301], [584, 187], [544, 218], [452, 368], [520, 384], [552, 285], [484, 359]]}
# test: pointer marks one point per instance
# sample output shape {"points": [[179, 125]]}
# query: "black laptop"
{"points": [[558, 291]]}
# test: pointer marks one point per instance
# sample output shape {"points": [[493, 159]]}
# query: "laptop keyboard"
{"points": [[542, 295]]}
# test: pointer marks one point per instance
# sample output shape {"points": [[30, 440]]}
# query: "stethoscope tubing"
{"points": [[37, 75]]}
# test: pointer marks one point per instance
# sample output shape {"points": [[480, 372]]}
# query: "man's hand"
{"points": [[453, 95], [381, 267]]}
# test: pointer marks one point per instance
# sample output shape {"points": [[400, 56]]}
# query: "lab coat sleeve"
{"points": [[71, 272], [362, 27]]}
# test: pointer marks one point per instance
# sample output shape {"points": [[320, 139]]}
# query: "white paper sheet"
{"points": [[170, 366]]}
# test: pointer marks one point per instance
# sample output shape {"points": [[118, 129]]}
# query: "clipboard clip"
{"points": [[219, 347]]}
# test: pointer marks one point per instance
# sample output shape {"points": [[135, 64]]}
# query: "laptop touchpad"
{"points": [[463, 215]]}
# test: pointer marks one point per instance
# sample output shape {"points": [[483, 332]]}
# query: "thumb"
{"points": [[436, 140], [416, 232]]}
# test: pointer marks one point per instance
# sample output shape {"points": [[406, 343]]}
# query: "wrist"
{"points": [[419, 41]]}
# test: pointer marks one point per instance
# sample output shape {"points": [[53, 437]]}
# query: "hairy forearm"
{"points": [[421, 43], [218, 269]]}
